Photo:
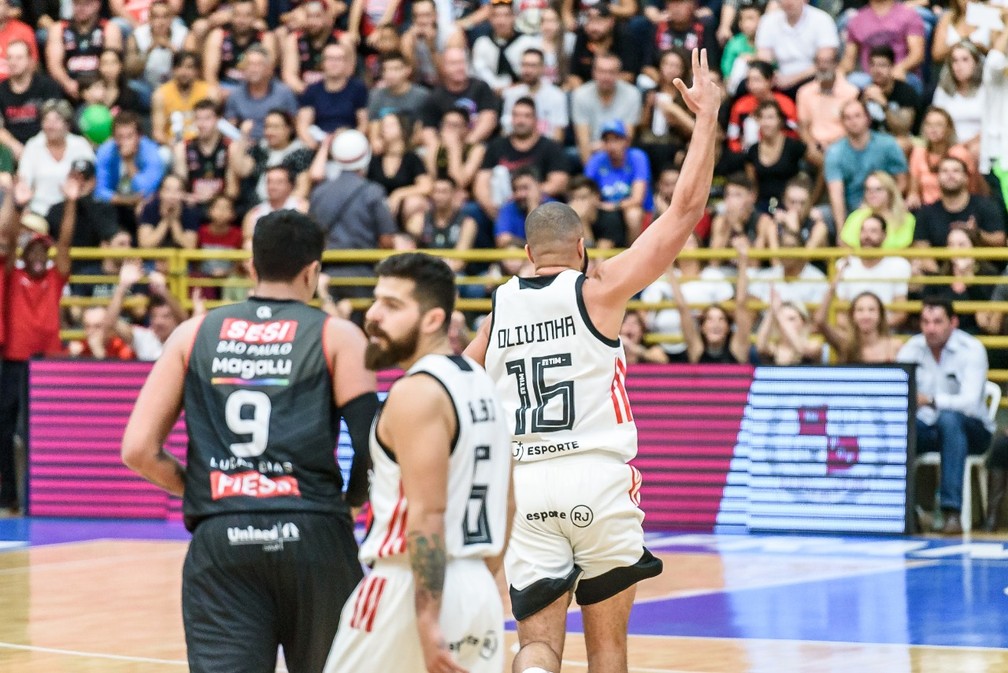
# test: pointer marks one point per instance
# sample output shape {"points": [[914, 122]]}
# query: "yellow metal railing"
{"points": [[175, 264]]}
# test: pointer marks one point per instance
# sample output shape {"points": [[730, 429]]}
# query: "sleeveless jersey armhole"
{"points": [[454, 408], [192, 341], [327, 325], [583, 309]]}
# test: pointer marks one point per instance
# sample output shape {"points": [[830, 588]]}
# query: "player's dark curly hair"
{"points": [[284, 243]]}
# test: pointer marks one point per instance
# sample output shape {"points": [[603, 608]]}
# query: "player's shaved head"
{"points": [[552, 230]]}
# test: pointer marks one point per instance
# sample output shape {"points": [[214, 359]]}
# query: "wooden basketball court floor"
{"points": [[80, 596]]}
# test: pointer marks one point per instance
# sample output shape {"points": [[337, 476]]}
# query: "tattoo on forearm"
{"points": [[428, 559]]}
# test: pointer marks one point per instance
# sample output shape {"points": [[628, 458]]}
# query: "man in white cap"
{"points": [[352, 211]]}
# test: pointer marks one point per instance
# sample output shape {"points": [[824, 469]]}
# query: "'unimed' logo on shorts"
{"points": [[275, 536]]}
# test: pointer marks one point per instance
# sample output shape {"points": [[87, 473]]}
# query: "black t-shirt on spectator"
{"points": [[410, 169], [934, 222], [967, 321], [475, 98], [96, 222], [609, 226], [700, 34], [772, 179], [151, 215], [902, 96], [727, 164], [546, 156], [623, 45], [128, 99], [20, 111]]}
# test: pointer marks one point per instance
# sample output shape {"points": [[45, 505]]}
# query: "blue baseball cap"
{"points": [[615, 126]]}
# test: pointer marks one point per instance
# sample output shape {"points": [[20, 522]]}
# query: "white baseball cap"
{"points": [[351, 150]]}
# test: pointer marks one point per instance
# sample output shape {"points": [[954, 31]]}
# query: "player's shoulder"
{"points": [[342, 333], [417, 395], [180, 341]]}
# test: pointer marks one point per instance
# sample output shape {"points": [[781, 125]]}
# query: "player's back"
{"points": [[260, 415], [479, 470], [560, 380]]}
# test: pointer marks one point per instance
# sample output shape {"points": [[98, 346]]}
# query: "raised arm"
{"points": [[317, 170], [71, 192], [212, 57], [744, 316], [799, 343], [687, 323], [54, 53], [626, 274], [8, 225], [834, 336], [763, 335], [157, 284], [130, 273], [290, 71]]}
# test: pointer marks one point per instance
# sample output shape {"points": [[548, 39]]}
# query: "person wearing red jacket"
{"points": [[743, 128], [32, 320]]}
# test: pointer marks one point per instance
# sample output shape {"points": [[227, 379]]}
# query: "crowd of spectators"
{"points": [[440, 123]]}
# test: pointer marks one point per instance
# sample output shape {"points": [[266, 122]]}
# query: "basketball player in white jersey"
{"points": [[440, 493], [552, 345]]}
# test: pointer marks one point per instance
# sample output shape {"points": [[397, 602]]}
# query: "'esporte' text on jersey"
{"points": [[260, 415], [562, 383], [479, 470]]}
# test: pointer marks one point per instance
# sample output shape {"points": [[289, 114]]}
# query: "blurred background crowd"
{"points": [[859, 138], [440, 123]]}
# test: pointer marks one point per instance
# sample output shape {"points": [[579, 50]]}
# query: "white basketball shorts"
{"points": [[378, 633], [577, 523]]}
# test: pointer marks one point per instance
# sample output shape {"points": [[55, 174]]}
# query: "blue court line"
{"points": [[44, 531]]}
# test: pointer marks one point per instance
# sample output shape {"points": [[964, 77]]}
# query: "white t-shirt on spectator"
{"points": [[486, 53], [587, 108], [158, 60], [808, 288], [794, 47], [711, 288], [550, 102], [46, 175], [857, 278], [146, 345], [966, 111]]}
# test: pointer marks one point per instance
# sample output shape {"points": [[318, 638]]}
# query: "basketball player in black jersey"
{"points": [[263, 384]]}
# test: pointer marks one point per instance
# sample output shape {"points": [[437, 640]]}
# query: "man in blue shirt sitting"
{"points": [[623, 173], [128, 169]]}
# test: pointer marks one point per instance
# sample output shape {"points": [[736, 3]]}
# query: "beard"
{"points": [[521, 133], [393, 352], [950, 191]]}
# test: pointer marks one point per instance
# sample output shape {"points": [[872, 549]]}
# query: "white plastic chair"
{"points": [[992, 396]]}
